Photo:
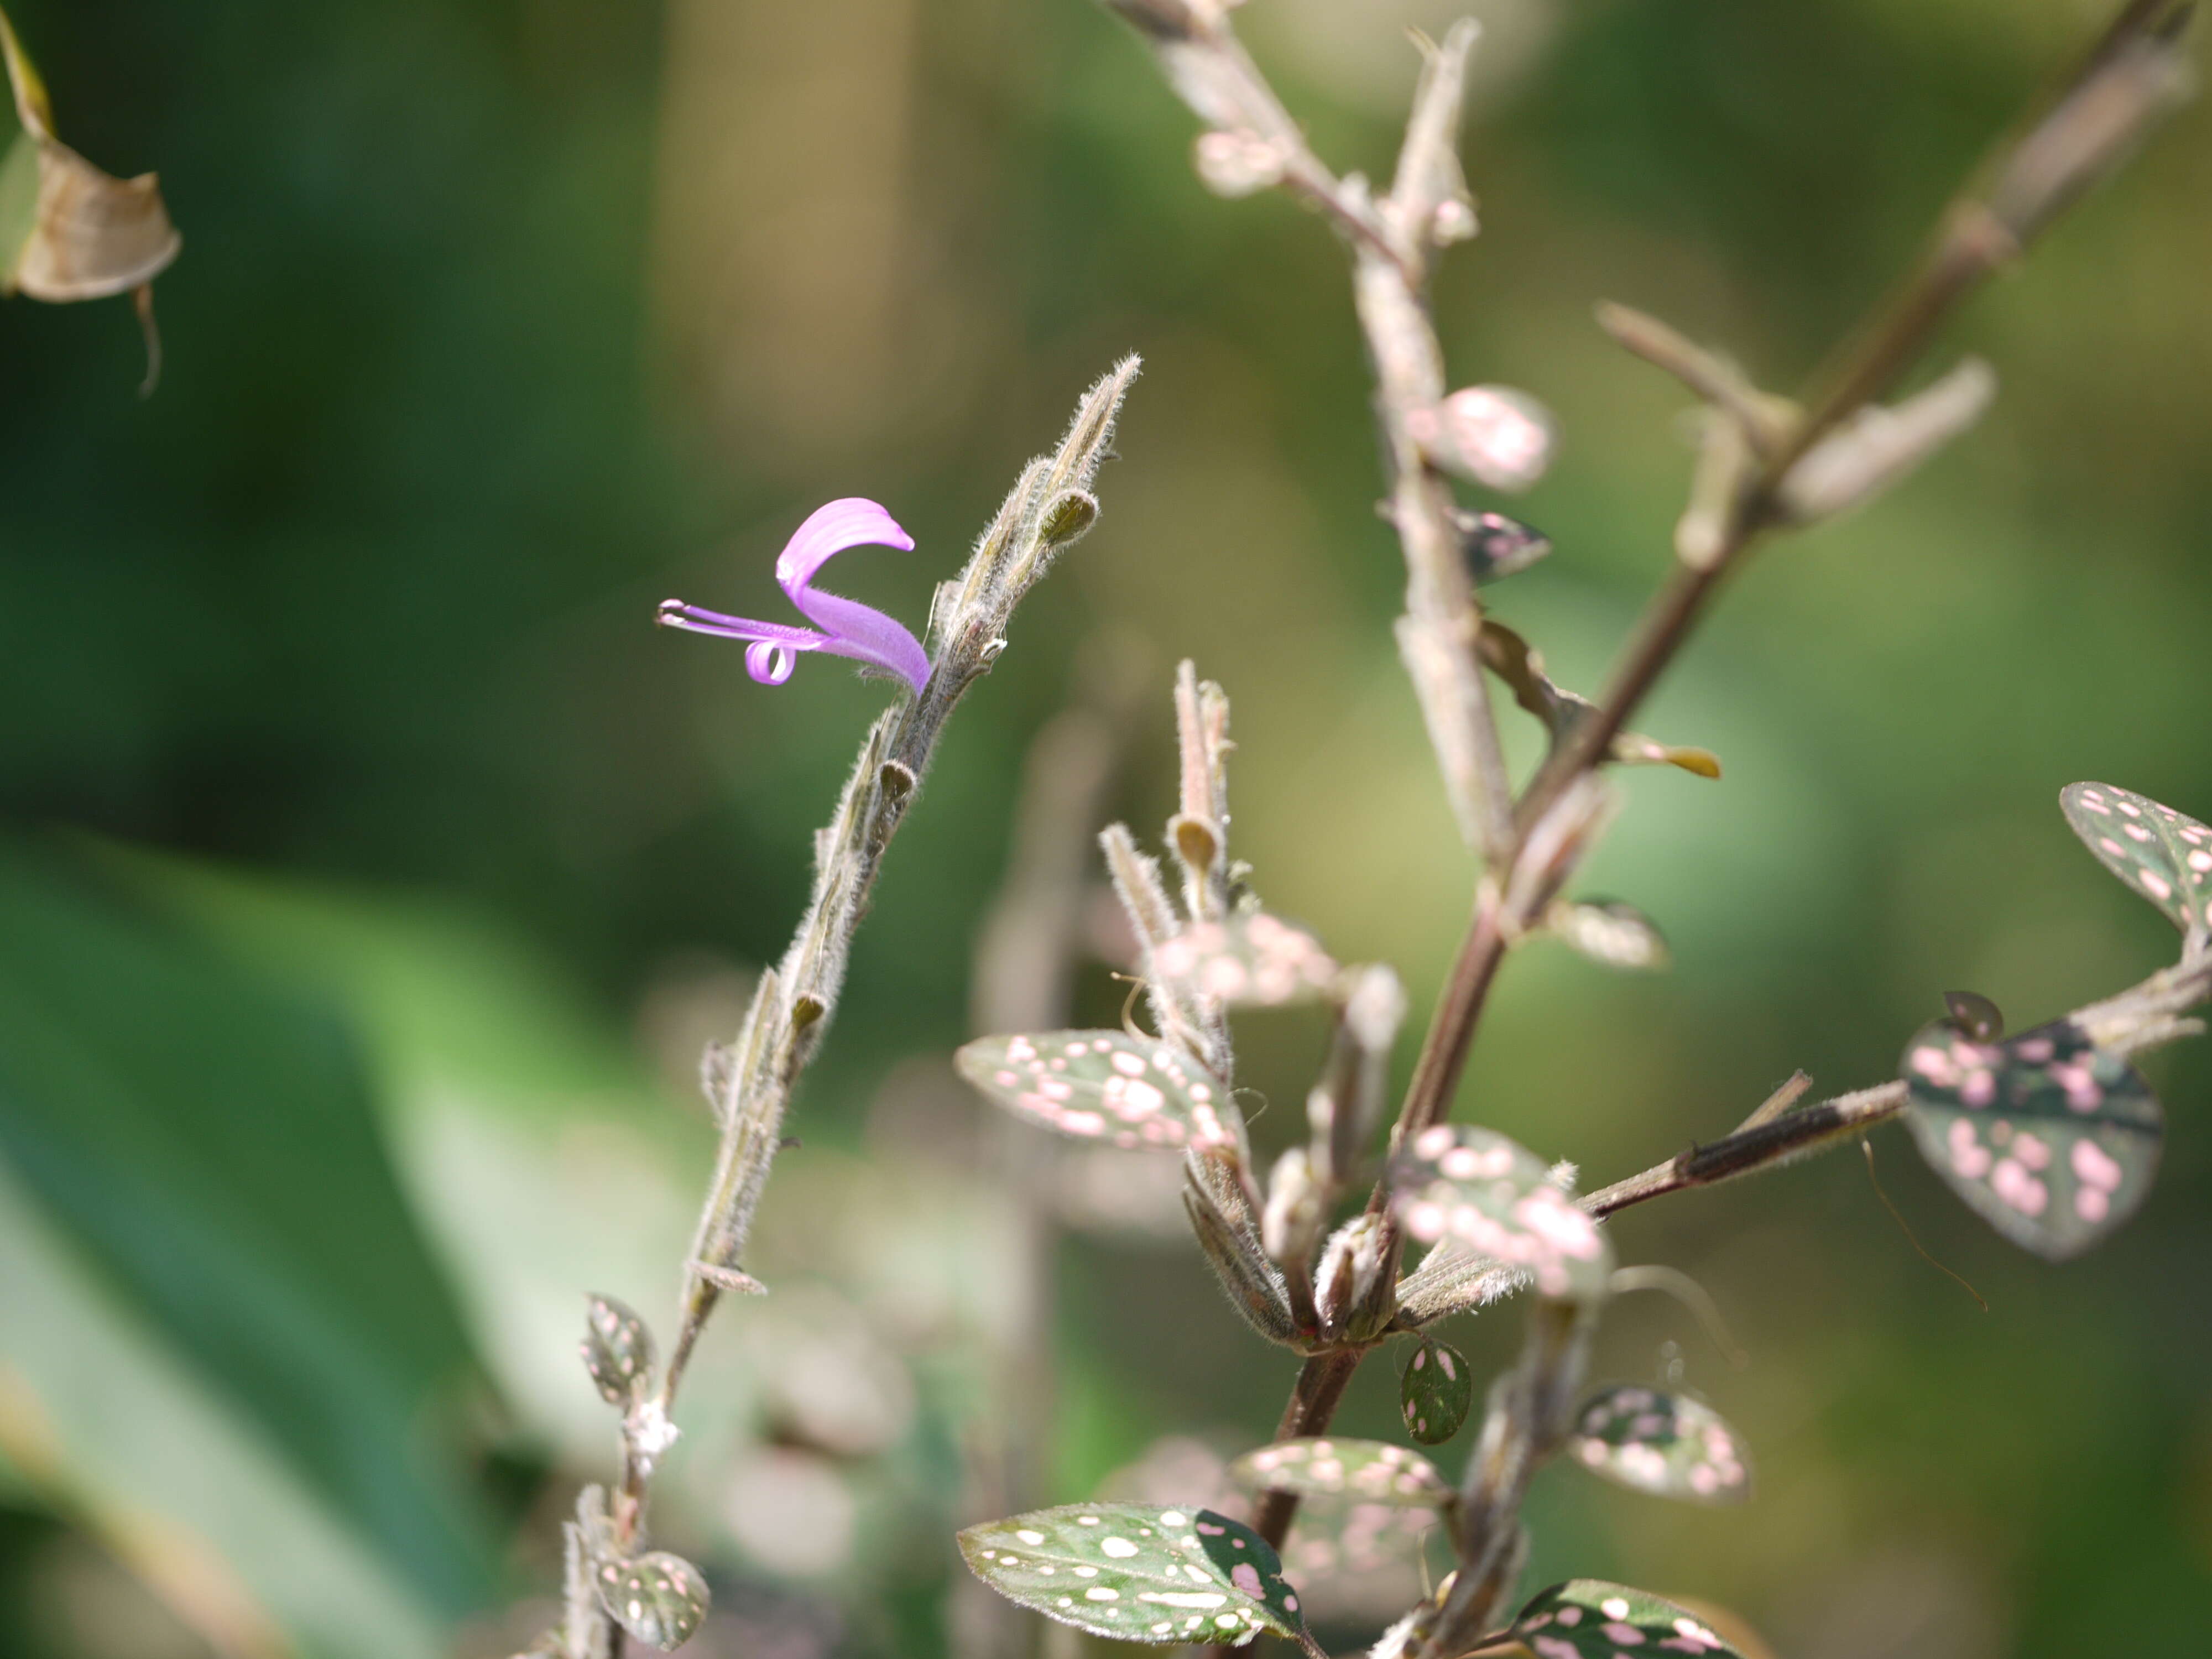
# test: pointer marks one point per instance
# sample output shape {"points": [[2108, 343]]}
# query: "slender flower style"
{"points": [[847, 627]]}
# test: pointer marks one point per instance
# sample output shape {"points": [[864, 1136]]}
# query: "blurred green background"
{"points": [[371, 870]]}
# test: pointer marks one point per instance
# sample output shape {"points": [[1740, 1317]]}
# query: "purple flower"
{"points": [[847, 629]]}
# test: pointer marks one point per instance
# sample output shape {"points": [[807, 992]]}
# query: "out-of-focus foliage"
{"points": [[374, 871]]}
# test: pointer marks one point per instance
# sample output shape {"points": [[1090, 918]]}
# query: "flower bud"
{"points": [[1236, 163], [1492, 434]]}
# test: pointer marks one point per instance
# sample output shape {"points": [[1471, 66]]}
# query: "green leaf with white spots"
{"points": [[1138, 1572], [1590, 1619], [1667, 1444], [1482, 1191], [2160, 853], [1256, 961], [617, 1351], [2052, 1139], [660, 1599], [1436, 1391], [1106, 1086], [1372, 1471]]}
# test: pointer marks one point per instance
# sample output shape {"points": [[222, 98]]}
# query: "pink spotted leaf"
{"points": [[1107, 1087], [660, 1599], [1254, 960], [1590, 1619], [2053, 1140], [1435, 1392], [617, 1351], [1668, 1444], [1497, 1199], [2162, 853], [1369, 1470], [1138, 1572]]}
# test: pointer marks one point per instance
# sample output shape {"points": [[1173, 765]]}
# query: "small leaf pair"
{"points": [[1520, 665], [1139, 1572]]}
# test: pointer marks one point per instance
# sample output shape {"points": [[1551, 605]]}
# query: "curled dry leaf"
{"points": [[69, 231], [1668, 1444], [1138, 1572], [2053, 1140], [1107, 1087]]}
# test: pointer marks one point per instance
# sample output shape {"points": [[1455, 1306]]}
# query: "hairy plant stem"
{"points": [[751, 1081], [2127, 79]]}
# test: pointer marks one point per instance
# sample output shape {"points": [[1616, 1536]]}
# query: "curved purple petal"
{"points": [[849, 521], [769, 663], [865, 634]]}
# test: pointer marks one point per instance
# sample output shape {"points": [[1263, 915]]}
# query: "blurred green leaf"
{"points": [[2051, 1138], [1668, 1444], [206, 1135], [658, 1598], [104, 1417], [1373, 1470], [1102, 1086], [1252, 961]]}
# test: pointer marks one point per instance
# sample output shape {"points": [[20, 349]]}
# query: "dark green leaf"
{"points": [[660, 1599], [1480, 1190], [2052, 1139], [1138, 1572], [1496, 546], [1372, 1470], [617, 1351], [1590, 1619], [1976, 1015], [2162, 854], [1668, 1444], [1103, 1085], [1435, 1392], [1256, 960]]}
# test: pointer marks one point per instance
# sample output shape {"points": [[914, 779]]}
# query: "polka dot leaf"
{"points": [[617, 1351], [660, 1599], [1668, 1444], [1497, 1199], [1138, 1572], [1590, 1619], [1435, 1392], [2160, 853], [1103, 1085], [1371, 1470], [2052, 1139], [1254, 960]]}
